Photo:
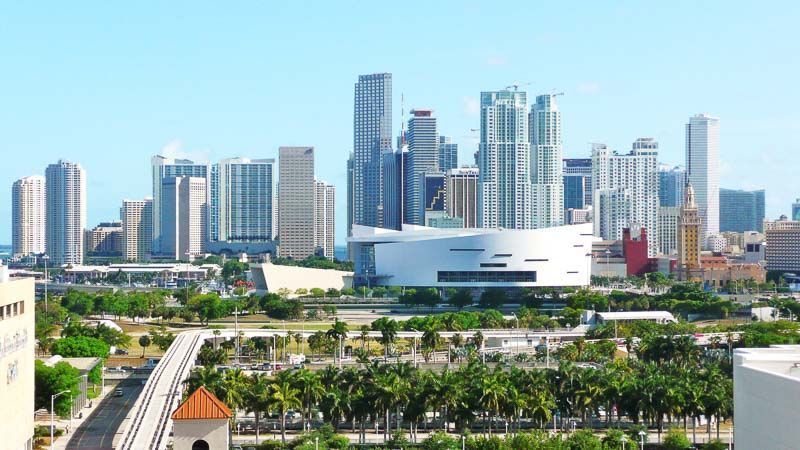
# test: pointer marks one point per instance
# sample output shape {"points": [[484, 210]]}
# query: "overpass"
{"points": [[149, 423]]}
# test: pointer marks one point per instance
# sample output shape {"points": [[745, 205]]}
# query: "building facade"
{"points": [[394, 174], [137, 229], [184, 217], [324, 219], [671, 182], [423, 157], [689, 236], [296, 202], [479, 258], [28, 216], [163, 168], [741, 211], [669, 218], [702, 168], [544, 126], [461, 195], [577, 183], [372, 136], [504, 182], [432, 188], [105, 239], [17, 360], [245, 203], [782, 250], [66, 212], [448, 153], [625, 191]]}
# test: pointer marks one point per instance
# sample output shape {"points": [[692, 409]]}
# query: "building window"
{"points": [[446, 276]]}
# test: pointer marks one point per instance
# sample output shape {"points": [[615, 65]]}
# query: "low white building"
{"points": [[597, 318], [472, 257], [273, 277], [766, 395], [201, 423]]}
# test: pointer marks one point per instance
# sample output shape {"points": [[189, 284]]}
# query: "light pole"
{"points": [[188, 258], [463, 442], [608, 276], [316, 443], [641, 437], [53, 413], [46, 309], [623, 439]]}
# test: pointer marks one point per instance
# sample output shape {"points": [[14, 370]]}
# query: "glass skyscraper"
{"points": [[423, 157], [671, 183], [741, 211], [244, 199], [702, 169], [448, 153], [372, 135], [577, 183]]}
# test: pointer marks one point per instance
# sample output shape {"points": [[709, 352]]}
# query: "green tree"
{"points": [[493, 298], [284, 397], [80, 347], [676, 439], [52, 380], [207, 307], [461, 298], [144, 342]]}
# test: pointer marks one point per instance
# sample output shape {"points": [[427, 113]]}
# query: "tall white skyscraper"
{"points": [[296, 202], [137, 229], [244, 199], [163, 168], [504, 183], [184, 217], [546, 164], [28, 216], [423, 157], [324, 221], [702, 169], [66, 212], [625, 192]]}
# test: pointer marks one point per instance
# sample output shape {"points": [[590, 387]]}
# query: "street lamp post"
{"points": [[623, 439], [608, 276], [463, 442], [641, 437], [53, 413], [46, 309]]}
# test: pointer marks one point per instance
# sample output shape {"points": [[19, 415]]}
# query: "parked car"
{"points": [[120, 351], [118, 392]]}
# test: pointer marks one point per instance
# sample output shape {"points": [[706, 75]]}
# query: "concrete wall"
{"points": [[272, 277], [213, 431], [16, 365]]}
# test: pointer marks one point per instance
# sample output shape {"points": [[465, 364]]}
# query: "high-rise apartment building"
{"points": [[783, 245], [28, 216], [137, 229], [669, 218], [66, 212], [423, 157], [105, 239], [626, 192], [504, 183], [689, 235], [245, 199], [741, 210], [796, 210], [546, 166], [324, 221], [461, 195], [702, 168], [448, 153], [184, 217], [163, 168], [671, 182], [577, 183], [372, 136], [296, 202]]}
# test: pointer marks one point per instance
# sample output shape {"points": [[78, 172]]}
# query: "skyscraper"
{"points": [[163, 168], [689, 236], [577, 183], [184, 217], [461, 195], [702, 169], [395, 166], [432, 195], [671, 181], [66, 212], [137, 229], [28, 216], [741, 211], [626, 192], [296, 202], [448, 153], [504, 183], [372, 135], [546, 166], [423, 157], [245, 202], [669, 218], [324, 222], [796, 210]]}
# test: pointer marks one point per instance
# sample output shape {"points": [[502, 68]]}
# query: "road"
{"points": [[98, 430]]}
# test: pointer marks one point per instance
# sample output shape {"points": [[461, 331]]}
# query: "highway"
{"points": [[148, 422], [98, 430]]}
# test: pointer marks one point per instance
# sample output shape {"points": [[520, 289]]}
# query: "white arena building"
{"points": [[473, 257]]}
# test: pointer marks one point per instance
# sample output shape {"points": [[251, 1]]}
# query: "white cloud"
{"points": [[589, 87], [174, 149], [471, 106], [495, 60]]}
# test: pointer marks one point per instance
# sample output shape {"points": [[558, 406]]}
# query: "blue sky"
{"points": [[108, 84]]}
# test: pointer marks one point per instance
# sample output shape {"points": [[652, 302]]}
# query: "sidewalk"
{"points": [[61, 442]]}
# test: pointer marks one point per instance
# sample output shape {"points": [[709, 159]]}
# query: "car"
{"points": [[120, 351], [118, 392]]}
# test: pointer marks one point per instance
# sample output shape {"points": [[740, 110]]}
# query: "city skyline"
{"points": [[189, 109]]}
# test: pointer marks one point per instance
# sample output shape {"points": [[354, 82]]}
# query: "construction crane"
{"points": [[517, 85]]}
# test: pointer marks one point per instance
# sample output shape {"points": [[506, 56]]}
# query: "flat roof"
{"points": [[82, 364]]}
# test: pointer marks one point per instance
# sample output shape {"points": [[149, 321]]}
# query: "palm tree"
{"points": [[233, 389], [256, 400], [338, 332], [365, 329], [388, 328], [208, 377], [478, 340], [283, 397], [145, 342], [431, 339], [311, 390], [493, 392], [457, 340], [298, 339]]}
